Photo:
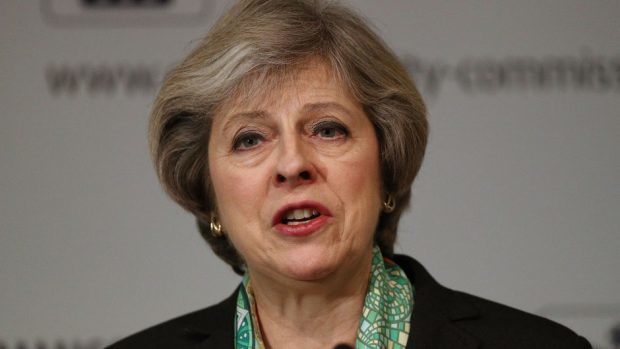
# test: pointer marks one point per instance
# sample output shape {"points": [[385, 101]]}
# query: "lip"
{"points": [[302, 229]]}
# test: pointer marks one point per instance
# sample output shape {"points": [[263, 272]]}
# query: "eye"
{"points": [[247, 140], [329, 130]]}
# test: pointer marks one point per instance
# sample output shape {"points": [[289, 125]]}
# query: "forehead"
{"points": [[313, 79]]}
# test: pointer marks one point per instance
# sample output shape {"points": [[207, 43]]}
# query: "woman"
{"points": [[293, 134]]}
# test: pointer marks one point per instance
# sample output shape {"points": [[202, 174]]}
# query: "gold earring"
{"points": [[389, 205], [215, 227]]}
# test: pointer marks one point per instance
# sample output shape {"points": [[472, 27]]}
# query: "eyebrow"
{"points": [[261, 114], [251, 115], [318, 107]]}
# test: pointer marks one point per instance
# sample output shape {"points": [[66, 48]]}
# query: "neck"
{"points": [[312, 314]]}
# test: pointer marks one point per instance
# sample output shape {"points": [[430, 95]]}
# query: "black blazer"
{"points": [[442, 319]]}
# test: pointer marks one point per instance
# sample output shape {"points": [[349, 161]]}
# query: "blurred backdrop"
{"points": [[518, 199]]}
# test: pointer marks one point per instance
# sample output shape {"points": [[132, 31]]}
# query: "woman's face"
{"points": [[296, 178]]}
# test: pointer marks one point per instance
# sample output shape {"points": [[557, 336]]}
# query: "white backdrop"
{"points": [[518, 199]]}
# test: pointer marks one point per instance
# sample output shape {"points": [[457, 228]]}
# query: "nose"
{"points": [[295, 166]]}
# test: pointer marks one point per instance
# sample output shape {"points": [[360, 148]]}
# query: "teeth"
{"points": [[299, 214], [294, 216]]}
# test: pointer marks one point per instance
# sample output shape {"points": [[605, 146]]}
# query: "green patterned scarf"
{"points": [[385, 320]]}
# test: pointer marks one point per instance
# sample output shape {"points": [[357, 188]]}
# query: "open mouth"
{"points": [[299, 216]]}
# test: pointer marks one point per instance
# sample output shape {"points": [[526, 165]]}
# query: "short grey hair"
{"points": [[255, 42]]}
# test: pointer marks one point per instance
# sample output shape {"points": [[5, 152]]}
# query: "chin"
{"points": [[309, 267], [309, 274]]}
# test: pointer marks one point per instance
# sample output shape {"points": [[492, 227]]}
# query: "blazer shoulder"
{"points": [[186, 331], [501, 326], [458, 319]]}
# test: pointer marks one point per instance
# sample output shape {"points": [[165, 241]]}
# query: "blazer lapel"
{"points": [[433, 329], [212, 328], [442, 336], [436, 312], [223, 341]]}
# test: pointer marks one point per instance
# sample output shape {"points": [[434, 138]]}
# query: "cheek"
{"points": [[368, 173], [358, 181], [233, 193], [238, 195]]}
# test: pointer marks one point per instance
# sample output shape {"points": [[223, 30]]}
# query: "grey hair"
{"points": [[256, 43]]}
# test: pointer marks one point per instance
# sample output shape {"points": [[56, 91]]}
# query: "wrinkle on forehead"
{"points": [[265, 84]]}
